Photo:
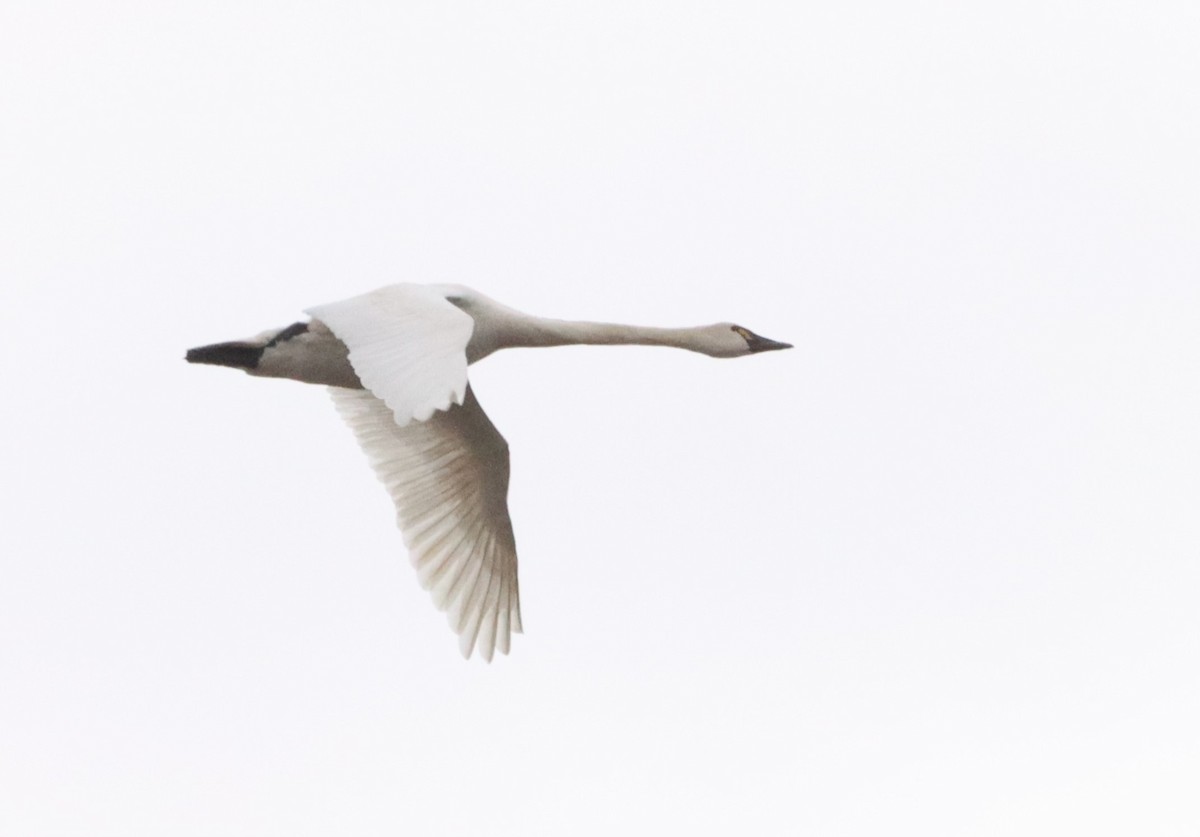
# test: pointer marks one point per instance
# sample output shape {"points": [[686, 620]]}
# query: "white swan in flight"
{"points": [[396, 360]]}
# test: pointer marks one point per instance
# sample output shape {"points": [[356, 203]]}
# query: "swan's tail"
{"points": [[243, 354], [239, 354]]}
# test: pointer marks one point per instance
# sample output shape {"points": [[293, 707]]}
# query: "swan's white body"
{"points": [[396, 362]]}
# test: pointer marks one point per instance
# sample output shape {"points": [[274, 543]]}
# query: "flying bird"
{"points": [[395, 361]]}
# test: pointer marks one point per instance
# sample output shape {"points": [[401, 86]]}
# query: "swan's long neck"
{"points": [[500, 327], [536, 331]]}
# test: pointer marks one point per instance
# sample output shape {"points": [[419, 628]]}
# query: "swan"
{"points": [[395, 361]]}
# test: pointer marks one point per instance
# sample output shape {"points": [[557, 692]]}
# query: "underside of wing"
{"points": [[448, 477], [408, 346]]}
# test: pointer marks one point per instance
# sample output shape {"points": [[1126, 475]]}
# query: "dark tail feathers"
{"points": [[240, 354], [237, 354]]}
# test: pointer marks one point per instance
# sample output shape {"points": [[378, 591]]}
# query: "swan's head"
{"points": [[732, 340]]}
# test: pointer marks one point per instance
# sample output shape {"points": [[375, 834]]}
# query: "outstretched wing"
{"points": [[407, 344], [448, 477]]}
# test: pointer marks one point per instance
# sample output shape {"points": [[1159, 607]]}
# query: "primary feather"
{"points": [[448, 477]]}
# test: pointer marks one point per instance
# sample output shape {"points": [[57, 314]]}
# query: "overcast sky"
{"points": [[935, 571]]}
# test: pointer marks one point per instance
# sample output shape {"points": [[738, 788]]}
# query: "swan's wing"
{"points": [[407, 344], [449, 479]]}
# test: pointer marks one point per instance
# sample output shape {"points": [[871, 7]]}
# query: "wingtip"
{"points": [[466, 644]]}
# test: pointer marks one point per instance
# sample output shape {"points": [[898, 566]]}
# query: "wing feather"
{"points": [[448, 477], [408, 345]]}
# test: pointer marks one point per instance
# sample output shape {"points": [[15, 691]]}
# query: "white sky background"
{"points": [[935, 571]]}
